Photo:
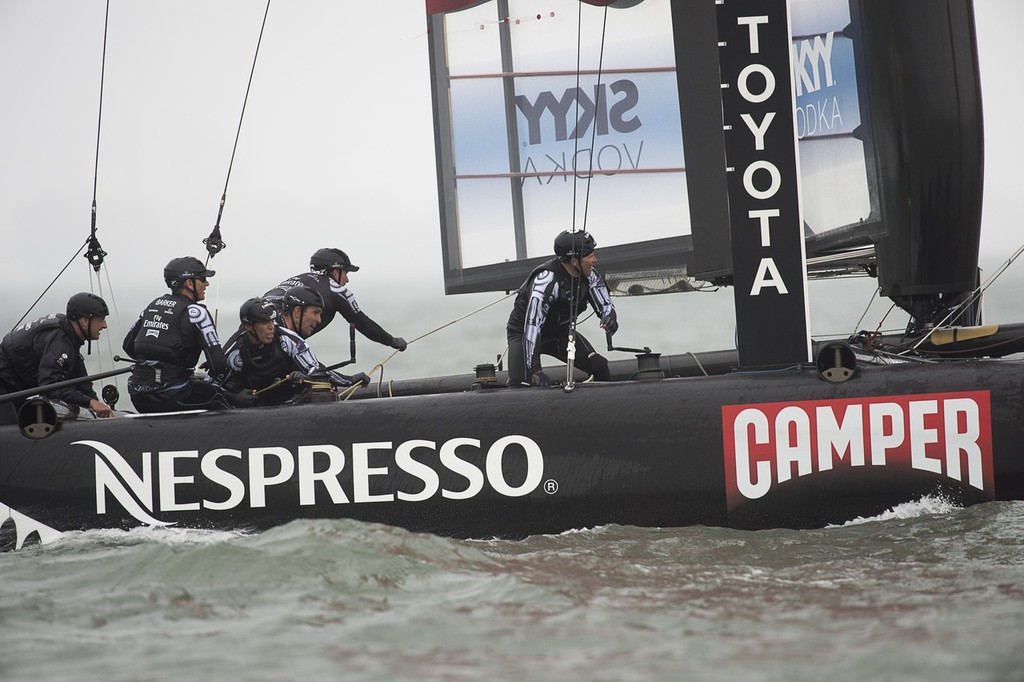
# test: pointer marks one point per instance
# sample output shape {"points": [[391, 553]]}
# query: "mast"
{"points": [[745, 179]]}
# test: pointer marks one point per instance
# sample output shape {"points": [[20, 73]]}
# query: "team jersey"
{"points": [[550, 299], [170, 335], [45, 351], [338, 299], [257, 366]]}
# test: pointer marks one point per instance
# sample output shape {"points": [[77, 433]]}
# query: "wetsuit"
{"points": [[256, 366], [167, 340], [540, 320], [45, 351], [337, 299]]}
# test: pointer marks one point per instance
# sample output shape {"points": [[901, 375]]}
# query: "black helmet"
{"points": [[86, 305], [569, 245], [301, 296], [185, 268], [257, 310], [328, 259]]}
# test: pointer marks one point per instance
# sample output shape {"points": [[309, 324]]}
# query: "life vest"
{"points": [[165, 334], [265, 364]]}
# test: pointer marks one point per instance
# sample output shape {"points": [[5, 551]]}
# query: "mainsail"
{"points": [[570, 114], [557, 114]]}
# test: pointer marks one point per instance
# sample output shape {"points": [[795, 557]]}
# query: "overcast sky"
{"points": [[336, 150]]}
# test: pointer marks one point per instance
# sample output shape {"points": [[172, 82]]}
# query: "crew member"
{"points": [[548, 302], [48, 351], [167, 340], [328, 275], [270, 361]]}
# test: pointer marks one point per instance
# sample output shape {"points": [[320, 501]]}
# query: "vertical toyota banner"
{"points": [[766, 225]]}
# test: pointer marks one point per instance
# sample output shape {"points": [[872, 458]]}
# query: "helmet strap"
{"points": [[84, 333], [572, 267], [193, 291], [289, 317]]}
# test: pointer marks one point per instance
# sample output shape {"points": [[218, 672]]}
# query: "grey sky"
{"points": [[336, 150]]}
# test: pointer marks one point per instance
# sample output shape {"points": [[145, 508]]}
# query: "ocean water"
{"points": [[925, 592]]}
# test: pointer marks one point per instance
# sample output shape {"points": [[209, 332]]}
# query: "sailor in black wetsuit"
{"points": [[263, 353], [328, 276], [167, 340], [550, 299], [48, 351]]}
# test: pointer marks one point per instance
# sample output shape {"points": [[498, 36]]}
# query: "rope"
{"points": [[380, 365], [697, 360], [577, 294], [95, 254], [99, 117], [347, 393], [117, 318], [975, 295], [866, 309], [48, 286], [460, 319], [214, 244]]}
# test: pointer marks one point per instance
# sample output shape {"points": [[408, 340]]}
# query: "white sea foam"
{"points": [[929, 505], [169, 535]]}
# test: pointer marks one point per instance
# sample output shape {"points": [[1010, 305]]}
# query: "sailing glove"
{"points": [[398, 343], [297, 377], [541, 379], [360, 378], [610, 322]]}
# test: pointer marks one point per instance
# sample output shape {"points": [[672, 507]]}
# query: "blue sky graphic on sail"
{"points": [[624, 118], [833, 171], [537, 98]]}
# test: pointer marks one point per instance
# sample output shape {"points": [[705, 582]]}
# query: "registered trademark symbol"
{"points": [[551, 486]]}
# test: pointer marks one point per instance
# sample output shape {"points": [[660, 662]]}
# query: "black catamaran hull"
{"points": [[752, 451]]}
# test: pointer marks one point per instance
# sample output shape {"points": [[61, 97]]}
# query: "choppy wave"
{"points": [[928, 505], [927, 592]]}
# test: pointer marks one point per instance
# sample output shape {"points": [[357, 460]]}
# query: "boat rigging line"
{"points": [[380, 365], [214, 244], [49, 286], [970, 300], [574, 303], [95, 254]]}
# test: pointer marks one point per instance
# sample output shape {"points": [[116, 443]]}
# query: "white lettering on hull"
{"points": [[947, 434], [313, 473]]}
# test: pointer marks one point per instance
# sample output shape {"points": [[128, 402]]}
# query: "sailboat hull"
{"points": [[751, 450]]}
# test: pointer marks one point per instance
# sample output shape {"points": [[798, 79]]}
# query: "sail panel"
{"points": [[551, 131], [927, 113], [539, 140], [833, 160]]}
